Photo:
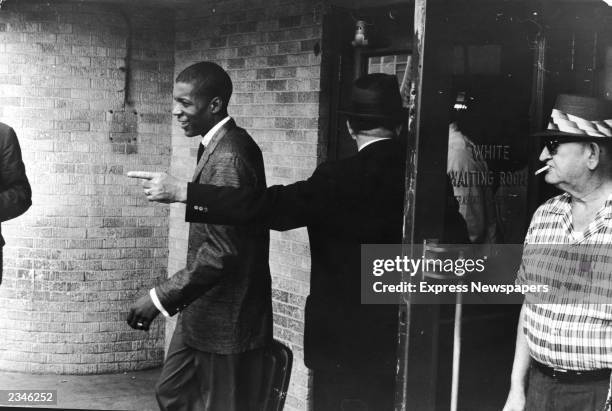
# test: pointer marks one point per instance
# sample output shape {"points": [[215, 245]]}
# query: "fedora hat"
{"points": [[375, 96], [579, 117]]}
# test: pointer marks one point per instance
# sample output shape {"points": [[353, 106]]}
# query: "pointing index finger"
{"points": [[141, 174]]}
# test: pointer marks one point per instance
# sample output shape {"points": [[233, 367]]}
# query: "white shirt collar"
{"points": [[371, 142], [208, 136]]}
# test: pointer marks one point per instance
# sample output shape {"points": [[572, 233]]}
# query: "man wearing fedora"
{"points": [[354, 201], [563, 352]]}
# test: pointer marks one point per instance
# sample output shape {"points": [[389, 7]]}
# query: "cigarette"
{"points": [[541, 170]]}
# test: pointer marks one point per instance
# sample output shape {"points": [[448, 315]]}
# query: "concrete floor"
{"points": [[132, 391], [486, 363]]}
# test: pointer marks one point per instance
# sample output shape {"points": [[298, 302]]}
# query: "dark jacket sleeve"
{"points": [[15, 192], [277, 207], [221, 248]]}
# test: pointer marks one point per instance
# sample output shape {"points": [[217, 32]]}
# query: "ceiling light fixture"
{"points": [[360, 34]]}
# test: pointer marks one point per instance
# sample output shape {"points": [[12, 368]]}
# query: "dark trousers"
{"points": [[353, 391], [193, 380], [546, 394]]}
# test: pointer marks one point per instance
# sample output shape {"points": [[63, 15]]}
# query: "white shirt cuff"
{"points": [[158, 303]]}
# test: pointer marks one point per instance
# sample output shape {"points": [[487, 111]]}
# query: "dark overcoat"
{"points": [[354, 201]]}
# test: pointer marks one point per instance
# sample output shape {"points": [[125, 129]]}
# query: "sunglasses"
{"points": [[553, 145]]}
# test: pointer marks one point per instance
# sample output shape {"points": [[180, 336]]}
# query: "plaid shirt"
{"points": [[569, 335]]}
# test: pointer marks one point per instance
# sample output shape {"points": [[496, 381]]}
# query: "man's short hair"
{"points": [[359, 124], [606, 145], [209, 80], [463, 119]]}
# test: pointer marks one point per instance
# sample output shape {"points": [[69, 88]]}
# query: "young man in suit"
{"points": [[15, 192], [215, 358], [358, 200]]}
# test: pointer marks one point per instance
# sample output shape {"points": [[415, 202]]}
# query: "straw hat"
{"points": [[579, 118]]}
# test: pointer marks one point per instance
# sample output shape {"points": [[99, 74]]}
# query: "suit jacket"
{"points": [[15, 192], [358, 200], [354, 201], [224, 293]]}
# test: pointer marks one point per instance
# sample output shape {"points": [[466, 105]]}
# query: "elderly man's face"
{"points": [[193, 113], [568, 164]]}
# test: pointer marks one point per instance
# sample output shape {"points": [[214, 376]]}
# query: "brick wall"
{"points": [[268, 48], [90, 242]]}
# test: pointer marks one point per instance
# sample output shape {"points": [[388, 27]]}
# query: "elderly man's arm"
{"points": [[277, 207], [15, 191], [520, 367], [161, 187]]}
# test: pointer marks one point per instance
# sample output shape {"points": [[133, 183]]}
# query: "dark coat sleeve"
{"points": [[277, 207], [15, 192]]}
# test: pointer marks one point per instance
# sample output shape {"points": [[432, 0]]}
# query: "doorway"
{"points": [[383, 45], [508, 62], [486, 57]]}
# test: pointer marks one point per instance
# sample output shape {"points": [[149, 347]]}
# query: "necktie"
{"points": [[200, 151]]}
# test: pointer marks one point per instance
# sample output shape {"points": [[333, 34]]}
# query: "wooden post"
{"points": [[425, 198], [537, 120]]}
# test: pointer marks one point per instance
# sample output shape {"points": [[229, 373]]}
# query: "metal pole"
{"points": [[456, 352]]}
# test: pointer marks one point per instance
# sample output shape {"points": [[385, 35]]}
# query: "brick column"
{"points": [[91, 242]]}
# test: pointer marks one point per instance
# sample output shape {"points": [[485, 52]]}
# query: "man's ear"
{"points": [[350, 129], [594, 156], [215, 105]]}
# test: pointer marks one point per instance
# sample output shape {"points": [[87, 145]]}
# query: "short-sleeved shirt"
{"points": [[574, 336]]}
